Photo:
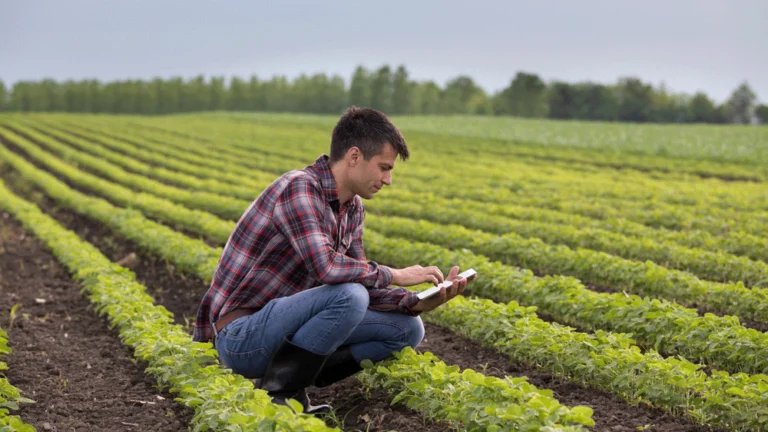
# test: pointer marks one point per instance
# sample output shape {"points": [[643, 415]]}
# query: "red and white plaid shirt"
{"points": [[294, 237]]}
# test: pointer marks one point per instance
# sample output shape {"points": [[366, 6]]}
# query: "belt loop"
{"points": [[215, 333]]}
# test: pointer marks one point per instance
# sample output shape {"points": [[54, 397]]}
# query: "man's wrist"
{"points": [[395, 275]]}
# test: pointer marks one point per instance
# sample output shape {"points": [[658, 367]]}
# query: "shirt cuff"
{"points": [[408, 302], [385, 276]]}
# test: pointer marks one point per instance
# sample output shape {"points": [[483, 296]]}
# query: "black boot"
{"points": [[291, 369], [339, 365]]}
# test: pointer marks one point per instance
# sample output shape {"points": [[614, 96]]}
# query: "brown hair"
{"points": [[367, 129]]}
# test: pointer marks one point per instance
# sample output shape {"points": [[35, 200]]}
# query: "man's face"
{"points": [[369, 176]]}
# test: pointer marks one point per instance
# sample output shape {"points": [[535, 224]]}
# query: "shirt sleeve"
{"points": [[298, 215], [386, 299], [395, 299]]}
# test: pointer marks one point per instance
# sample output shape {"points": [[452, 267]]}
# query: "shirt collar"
{"points": [[330, 189]]}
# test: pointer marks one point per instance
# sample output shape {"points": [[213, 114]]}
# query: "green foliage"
{"points": [[525, 97], [761, 112], [3, 96], [741, 104], [189, 255], [468, 400], [718, 341], [10, 396], [609, 361], [219, 398], [231, 167], [390, 91]]}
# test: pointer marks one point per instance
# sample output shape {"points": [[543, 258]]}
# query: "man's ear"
{"points": [[355, 155]]}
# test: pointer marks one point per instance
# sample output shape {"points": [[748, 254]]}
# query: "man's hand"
{"points": [[459, 283], [415, 275]]}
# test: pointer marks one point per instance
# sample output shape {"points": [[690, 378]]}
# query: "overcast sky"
{"points": [[691, 45]]}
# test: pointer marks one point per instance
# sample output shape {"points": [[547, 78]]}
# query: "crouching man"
{"points": [[293, 300]]}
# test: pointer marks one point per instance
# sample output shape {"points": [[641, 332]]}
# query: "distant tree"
{"points": [[426, 98], [761, 112], [635, 100], [237, 100], [525, 97], [742, 104], [401, 91], [335, 95], [563, 101], [598, 102], [217, 99], [669, 107], [360, 88], [382, 89], [702, 109], [4, 102], [256, 94], [458, 95], [320, 94], [172, 94]]}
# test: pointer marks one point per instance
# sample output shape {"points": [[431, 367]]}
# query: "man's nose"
{"points": [[387, 179]]}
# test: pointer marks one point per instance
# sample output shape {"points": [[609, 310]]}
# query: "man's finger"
{"points": [[453, 273], [435, 272], [463, 285], [438, 273]]}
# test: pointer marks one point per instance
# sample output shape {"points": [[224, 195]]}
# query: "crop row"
{"points": [[396, 249], [178, 242], [674, 330], [525, 244], [493, 157], [549, 141], [526, 177], [644, 278], [706, 264], [651, 213], [718, 341], [599, 268], [522, 407], [735, 242], [468, 399], [152, 164], [605, 360], [218, 397], [10, 396]]}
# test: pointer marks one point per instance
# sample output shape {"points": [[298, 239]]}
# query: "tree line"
{"points": [[392, 91]]}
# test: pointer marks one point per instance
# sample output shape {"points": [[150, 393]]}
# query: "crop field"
{"points": [[623, 274]]}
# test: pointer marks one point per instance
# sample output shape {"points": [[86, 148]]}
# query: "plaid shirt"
{"points": [[294, 237]]}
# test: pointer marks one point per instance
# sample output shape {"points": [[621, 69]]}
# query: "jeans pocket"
{"points": [[250, 364], [241, 348]]}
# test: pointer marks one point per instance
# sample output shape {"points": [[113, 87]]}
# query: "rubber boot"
{"points": [[340, 364], [290, 371]]}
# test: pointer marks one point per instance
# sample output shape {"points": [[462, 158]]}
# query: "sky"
{"points": [[689, 45]]}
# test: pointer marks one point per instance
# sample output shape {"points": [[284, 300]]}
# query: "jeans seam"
{"points": [[322, 339], [391, 323]]}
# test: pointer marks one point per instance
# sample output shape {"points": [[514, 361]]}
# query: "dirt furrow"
{"points": [[64, 356]]}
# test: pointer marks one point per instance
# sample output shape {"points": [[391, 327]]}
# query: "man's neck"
{"points": [[345, 194]]}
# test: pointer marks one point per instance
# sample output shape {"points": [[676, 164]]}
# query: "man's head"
{"points": [[364, 146]]}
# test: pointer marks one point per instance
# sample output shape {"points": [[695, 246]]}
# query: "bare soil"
{"points": [[65, 357]]}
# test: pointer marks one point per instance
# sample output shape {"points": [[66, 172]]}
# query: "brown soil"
{"points": [[64, 356]]}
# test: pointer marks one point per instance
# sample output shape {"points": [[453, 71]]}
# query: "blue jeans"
{"points": [[321, 319]]}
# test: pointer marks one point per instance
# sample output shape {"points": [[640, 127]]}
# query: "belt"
{"points": [[233, 315]]}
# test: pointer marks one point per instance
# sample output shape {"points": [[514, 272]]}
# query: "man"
{"points": [[293, 300]]}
